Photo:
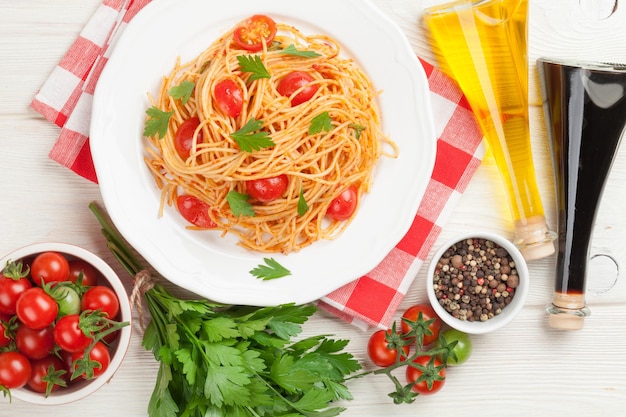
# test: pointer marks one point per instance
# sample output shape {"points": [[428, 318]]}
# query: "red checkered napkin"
{"points": [[65, 99]]}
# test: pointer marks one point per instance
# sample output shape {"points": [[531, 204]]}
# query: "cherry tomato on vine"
{"points": [[34, 344], [254, 32], [463, 348], [36, 309], [90, 275], [15, 369], [101, 298], [293, 82], [45, 376], [183, 138], [50, 267], [267, 189], [344, 205], [195, 211], [229, 97], [379, 351], [429, 376], [413, 312], [99, 353], [10, 291], [69, 336]]}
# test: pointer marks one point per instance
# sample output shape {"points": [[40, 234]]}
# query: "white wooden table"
{"points": [[525, 369]]}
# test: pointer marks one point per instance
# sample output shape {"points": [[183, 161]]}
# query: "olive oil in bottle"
{"points": [[482, 45]]}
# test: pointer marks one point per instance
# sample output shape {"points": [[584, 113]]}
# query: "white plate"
{"points": [[217, 268]]}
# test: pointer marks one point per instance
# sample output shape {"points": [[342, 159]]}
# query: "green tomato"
{"points": [[68, 300], [462, 349]]}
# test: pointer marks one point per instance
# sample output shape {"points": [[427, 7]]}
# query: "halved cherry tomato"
{"points": [[195, 211], [15, 370], [343, 206], [36, 309], [252, 33], [183, 139], [229, 97], [379, 351], [50, 267], [294, 81], [429, 375], [412, 313], [267, 189], [90, 275]]}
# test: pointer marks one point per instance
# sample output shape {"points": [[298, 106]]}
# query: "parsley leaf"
{"points": [[358, 128], [271, 270], [157, 122], [303, 207], [182, 91], [321, 122], [251, 138], [254, 65], [238, 203], [291, 50]]}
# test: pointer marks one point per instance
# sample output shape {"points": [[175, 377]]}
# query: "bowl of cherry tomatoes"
{"points": [[64, 323]]}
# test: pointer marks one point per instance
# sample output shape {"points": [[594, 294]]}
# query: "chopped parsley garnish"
{"points": [[321, 122], [303, 207], [253, 65], [291, 50], [251, 137], [357, 129], [271, 270], [239, 204], [182, 91], [157, 123]]}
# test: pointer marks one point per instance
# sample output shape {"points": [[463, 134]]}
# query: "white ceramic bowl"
{"points": [[508, 312], [107, 276]]}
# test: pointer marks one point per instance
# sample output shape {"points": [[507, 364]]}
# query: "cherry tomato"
{"points": [[5, 337], [183, 139], [15, 370], [101, 298], [34, 344], [36, 309], [99, 353], [195, 211], [10, 291], [267, 189], [412, 313], [344, 205], [429, 377], [41, 374], [293, 82], [68, 299], [69, 336], [463, 348], [379, 351], [229, 97], [90, 275], [252, 33], [50, 267]]}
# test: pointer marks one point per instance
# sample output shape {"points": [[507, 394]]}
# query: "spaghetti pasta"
{"points": [[324, 136]]}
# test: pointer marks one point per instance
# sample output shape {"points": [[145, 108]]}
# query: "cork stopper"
{"points": [[567, 312], [533, 238]]}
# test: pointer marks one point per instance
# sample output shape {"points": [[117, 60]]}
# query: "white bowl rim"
{"points": [[508, 313], [64, 396]]}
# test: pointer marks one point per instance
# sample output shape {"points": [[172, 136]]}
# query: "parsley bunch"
{"points": [[218, 360]]}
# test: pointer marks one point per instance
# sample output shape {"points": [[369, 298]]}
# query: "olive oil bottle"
{"points": [[482, 45]]}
